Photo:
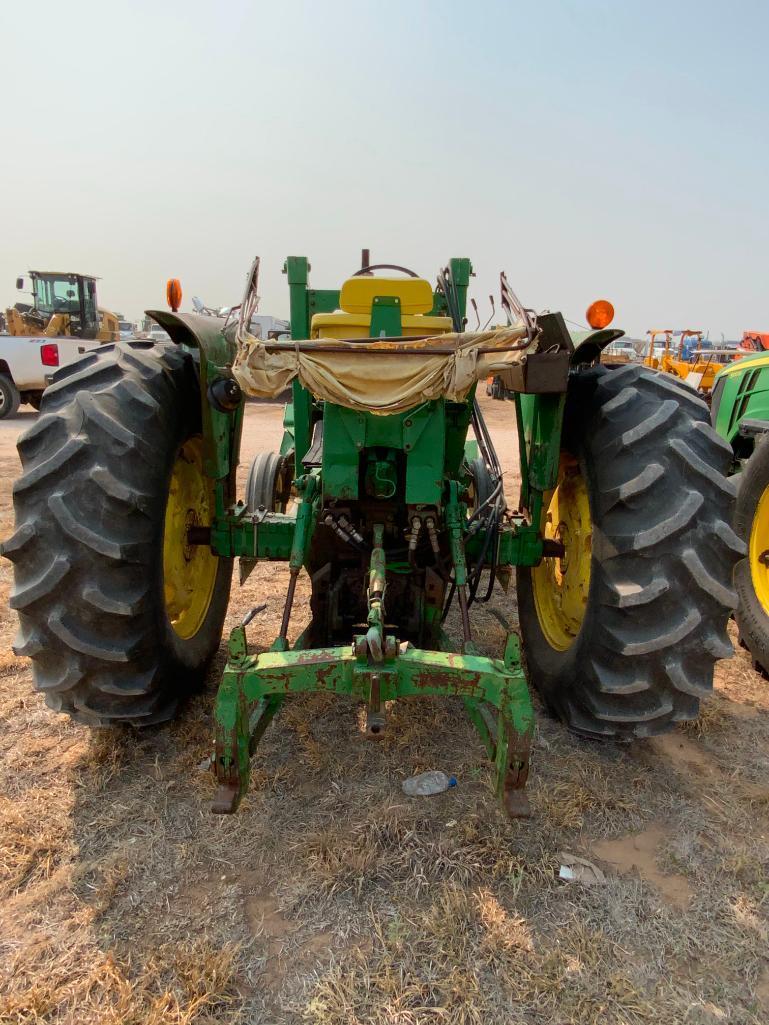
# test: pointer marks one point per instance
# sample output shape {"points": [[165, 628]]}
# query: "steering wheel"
{"points": [[385, 266]]}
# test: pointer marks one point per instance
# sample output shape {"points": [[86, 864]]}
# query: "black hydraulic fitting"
{"points": [[432, 533], [357, 537], [416, 530]]}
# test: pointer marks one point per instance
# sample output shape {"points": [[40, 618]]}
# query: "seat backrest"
{"points": [[357, 294]]}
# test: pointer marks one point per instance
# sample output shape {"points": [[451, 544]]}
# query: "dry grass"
{"points": [[331, 899], [177, 983], [465, 958]]}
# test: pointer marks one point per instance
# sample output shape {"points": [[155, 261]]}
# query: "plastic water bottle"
{"points": [[427, 783]]}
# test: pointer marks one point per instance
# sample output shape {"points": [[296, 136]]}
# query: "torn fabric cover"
{"points": [[376, 377]]}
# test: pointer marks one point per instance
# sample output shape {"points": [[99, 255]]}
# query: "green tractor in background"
{"points": [[740, 413], [387, 491]]}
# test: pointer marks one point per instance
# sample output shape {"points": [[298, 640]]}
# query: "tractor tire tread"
{"points": [[663, 556], [89, 530]]}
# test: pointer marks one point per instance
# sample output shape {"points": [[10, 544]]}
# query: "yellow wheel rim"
{"points": [[758, 550], [561, 585], [189, 571]]}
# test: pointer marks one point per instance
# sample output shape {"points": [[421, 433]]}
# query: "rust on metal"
{"points": [[226, 799], [308, 658], [322, 675], [469, 683], [517, 804], [517, 773]]}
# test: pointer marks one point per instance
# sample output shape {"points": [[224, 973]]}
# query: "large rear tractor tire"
{"points": [[751, 577], [621, 634], [119, 614]]}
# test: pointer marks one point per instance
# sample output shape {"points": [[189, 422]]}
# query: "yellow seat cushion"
{"points": [[357, 325], [357, 297], [358, 294]]}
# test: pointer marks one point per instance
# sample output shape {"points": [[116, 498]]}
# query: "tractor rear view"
{"points": [[387, 492]]}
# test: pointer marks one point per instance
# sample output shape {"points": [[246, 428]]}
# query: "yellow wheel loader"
{"points": [[63, 306]]}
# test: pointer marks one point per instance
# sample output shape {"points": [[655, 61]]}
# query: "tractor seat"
{"points": [[356, 299]]}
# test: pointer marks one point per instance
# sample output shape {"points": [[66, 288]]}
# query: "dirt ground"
{"points": [[332, 899]]}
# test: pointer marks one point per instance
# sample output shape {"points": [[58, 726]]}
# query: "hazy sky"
{"points": [[591, 149]]}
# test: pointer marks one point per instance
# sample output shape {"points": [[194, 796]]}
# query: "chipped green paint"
{"points": [[252, 686]]}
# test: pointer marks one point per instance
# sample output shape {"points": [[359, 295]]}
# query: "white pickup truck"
{"points": [[27, 363]]}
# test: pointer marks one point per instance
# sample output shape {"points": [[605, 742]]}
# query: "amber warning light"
{"points": [[174, 294], [600, 314]]}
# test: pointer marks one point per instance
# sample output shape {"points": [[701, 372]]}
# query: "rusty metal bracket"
{"points": [[254, 686]]}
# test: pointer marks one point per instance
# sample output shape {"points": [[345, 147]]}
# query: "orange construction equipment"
{"points": [[698, 371], [752, 341]]}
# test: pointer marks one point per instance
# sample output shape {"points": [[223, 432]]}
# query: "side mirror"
{"points": [[20, 283]]}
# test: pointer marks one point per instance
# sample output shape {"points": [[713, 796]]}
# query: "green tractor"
{"points": [[740, 413], [387, 492]]}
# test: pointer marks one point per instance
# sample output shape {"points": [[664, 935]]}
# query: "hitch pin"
{"points": [[375, 720]]}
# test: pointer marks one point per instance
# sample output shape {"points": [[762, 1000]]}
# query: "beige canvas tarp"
{"points": [[377, 377]]}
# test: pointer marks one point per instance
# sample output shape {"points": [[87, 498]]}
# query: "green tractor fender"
{"points": [[198, 332], [588, 345], [221, 425], [741, 394], [740, 414]]}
